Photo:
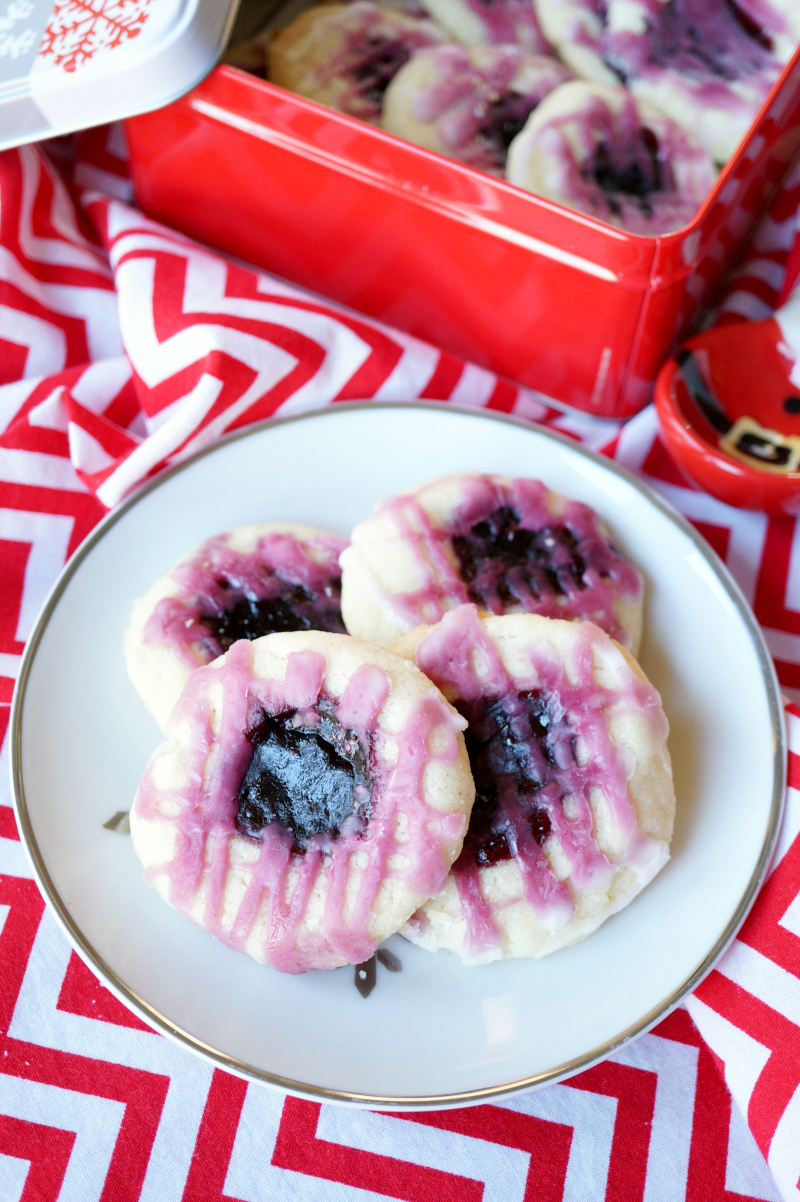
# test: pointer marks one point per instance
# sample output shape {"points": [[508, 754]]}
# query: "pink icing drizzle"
{"points": [[441, 585], [276, 561], [461, 658], [703, 43], [511, 21], [206, 822], [375, 45], [679, 170], [466, 97], [725, 54]]}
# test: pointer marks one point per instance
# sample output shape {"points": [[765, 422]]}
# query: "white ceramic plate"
{"points": [[438, 1033]]}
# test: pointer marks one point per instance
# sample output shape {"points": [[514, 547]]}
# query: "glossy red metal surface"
{"points": [[548, 297], [730, 415]]}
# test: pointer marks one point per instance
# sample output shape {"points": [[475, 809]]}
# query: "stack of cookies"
{"points": [[619, 109], [437, 729]]}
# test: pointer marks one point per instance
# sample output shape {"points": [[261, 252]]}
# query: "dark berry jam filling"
{"points": [[379, 61], [696, 38], [503, 564], [504, 119], [234, 615], [307, 776], [516, 745], [632, 171]]}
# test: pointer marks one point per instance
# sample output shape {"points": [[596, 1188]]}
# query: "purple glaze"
{"points": [[377, 63], [206, 807], [627, 176], [511, 21], [629, 171], [702, 40], [376, 44], [765, 16], [522, 739], [710, 46], [578, 582], [637, 172], [225, 595], [478, 108]]}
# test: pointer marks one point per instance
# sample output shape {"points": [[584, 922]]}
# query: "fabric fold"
{"points": [[122, 357]]}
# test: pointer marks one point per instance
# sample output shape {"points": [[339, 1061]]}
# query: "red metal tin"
{"points": [[546, 296]]}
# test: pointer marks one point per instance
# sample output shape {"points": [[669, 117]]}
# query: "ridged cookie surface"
{"points": [[313, 794], [574, 802], [507, 545], [250, 581]]}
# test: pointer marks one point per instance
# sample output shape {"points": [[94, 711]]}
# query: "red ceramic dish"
{"points": [[730, 416], [553, 299]]}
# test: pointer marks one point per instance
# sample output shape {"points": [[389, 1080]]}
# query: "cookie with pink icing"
{"points": [[574, 802], [491, 22], [345, 55], [469, 102], [314, 792], [507, 545], [250, 581], [599, 150], [707, 64]]}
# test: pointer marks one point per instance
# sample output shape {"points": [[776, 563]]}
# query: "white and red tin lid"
{"points": [[75, 63]]}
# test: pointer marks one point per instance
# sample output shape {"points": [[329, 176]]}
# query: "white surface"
{"points": [[178, 44], [436, 1028], [13, 1172]]}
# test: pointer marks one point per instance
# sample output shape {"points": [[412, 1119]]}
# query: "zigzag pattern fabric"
{"points": [[124, 348]]}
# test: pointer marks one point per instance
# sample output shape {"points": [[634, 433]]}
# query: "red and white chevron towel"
{"points": [[124, 347], [772, 262]]}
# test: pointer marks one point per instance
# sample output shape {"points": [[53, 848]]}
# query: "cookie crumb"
{"points": [[120, 823], [366, 976]]}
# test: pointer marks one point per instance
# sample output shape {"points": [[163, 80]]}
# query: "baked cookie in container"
{"points": [[345, 55], [313, 794], [508, 546], [707, 64], [601, 151], [250, 581], [574, 802], [496, 22], [469, 102]]}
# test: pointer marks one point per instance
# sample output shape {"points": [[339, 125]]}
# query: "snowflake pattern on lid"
{"points": [[16, 35], [78, 29]]}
